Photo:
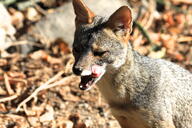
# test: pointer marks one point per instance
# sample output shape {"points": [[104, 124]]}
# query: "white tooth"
{"points": [[86, 73]]}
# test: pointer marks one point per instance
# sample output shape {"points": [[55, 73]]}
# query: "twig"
{"points": [[39, 9], [14, 43], [18, 80], [68, 65], [9, 98], [46, 86], [7, 85], [184, 39], [64, 80], [143, 31], [39, 89]]}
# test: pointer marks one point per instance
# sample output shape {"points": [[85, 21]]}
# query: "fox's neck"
{"points": [[118, 85]]}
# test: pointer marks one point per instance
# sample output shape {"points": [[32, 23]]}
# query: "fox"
{"points": [[142, 92]]}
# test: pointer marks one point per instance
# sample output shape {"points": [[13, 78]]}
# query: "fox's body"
{"points": [[154, 92], [142, 92]]}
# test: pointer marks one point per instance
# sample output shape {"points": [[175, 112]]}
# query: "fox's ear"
{"points": [[120, 21], [83, 14]]}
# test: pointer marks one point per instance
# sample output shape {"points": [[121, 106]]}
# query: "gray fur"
{"points": [[159, 90]]}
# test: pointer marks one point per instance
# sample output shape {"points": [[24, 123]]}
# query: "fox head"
{"points": [[99, 42]]}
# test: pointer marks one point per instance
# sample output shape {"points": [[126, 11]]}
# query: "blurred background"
{"points": [[37, 86]]}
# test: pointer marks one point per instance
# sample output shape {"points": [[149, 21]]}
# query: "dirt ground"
{"points": [[38, 88]]}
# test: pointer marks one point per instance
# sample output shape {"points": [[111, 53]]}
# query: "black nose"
{"points": [[77, 71]]}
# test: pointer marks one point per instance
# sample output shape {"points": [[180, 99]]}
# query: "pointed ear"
{"points": [[120, 22], [83, 14]]}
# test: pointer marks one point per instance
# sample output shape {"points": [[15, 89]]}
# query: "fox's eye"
{"points": [[99, 53]]}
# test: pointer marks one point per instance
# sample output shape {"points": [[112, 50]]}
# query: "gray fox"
{"points": [[142, 92]]}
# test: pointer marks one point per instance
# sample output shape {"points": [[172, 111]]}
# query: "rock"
{"points": [[60, 24], [5, 21], [17, 18], [6, 28]]}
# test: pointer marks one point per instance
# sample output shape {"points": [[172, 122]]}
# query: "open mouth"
{"points": [[88, 81]]}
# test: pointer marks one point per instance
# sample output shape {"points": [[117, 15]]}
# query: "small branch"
{"points": [[46, 86], [7, 85], [143, 31], [14, 43], [39, 9], [15, 80], [62, 81], [8, 98]]}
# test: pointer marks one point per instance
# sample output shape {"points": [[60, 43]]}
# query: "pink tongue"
{"points": [[96, 70]]}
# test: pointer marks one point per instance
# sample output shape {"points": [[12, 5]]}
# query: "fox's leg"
{"points": [[129, 118], [127, 123], [165, 124], [122, 121]]}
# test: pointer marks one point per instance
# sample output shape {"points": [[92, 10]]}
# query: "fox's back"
{"points": [[173, 90]]}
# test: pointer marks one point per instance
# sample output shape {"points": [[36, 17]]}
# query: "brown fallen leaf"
{"points": [[80, 125], [76, 122], [179, 57], [155, 37], [38, 54], [74, 118], [180, 18], [168, 17], [175, 30], [3, 62], [176, 55], [2, 91], [13, 74], [52, 60], [44, 56], [189, 57], [62, 46], [2, 108], [142, 50], [168, 41], [184, 39]]}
